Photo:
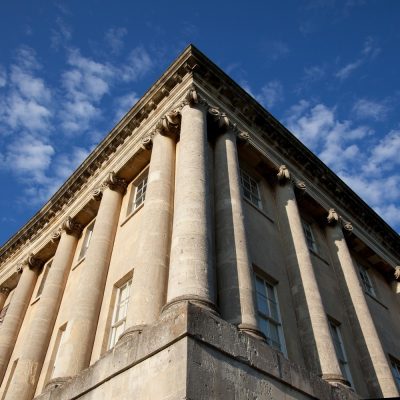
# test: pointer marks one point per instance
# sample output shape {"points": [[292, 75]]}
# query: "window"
{"points": [[308, 233], [395, 365], [138, 194], [45, 272], [268, 314], [86, 240], [250, 189], [339, 348], [366, 280], [56, 352], [119, 314]]}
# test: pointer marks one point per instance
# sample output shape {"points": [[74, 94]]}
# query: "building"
{"points": [[201, 252]]}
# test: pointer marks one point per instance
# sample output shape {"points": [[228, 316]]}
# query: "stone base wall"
{"points": [[192, 354]]}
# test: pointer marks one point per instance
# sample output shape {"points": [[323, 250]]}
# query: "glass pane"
{"points": [[260, 286], [262, 304]]}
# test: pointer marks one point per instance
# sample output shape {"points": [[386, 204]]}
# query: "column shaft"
{"points": [[235, 275], [28, 369], [15, 315], [149, 285], [191, 273], [76, 349], [373, 359], [319, 351]]}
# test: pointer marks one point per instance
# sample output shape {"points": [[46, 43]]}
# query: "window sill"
{"points": [[131, 214], [258, 209], [371, 296], [318, 256], [78, 263]]}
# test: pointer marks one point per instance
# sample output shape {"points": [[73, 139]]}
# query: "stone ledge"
{"points": [[205, 333]]}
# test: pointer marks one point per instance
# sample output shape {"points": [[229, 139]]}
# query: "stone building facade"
{"points": [[201, 252]]}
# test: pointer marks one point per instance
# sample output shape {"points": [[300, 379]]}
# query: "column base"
{"points": [[196, 300], [252, 330], [57, 382], [335, 380], [131, 331]]}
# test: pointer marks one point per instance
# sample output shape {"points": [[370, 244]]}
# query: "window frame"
{"points": [[395, 369], [86, 239], [334, 327], [115, 324], [269, 318], [309, 236], [133, 204], [45, 273], [365, 279], [252, 183]]}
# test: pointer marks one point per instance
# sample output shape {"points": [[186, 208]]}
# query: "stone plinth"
{"points": [[193, 354]]}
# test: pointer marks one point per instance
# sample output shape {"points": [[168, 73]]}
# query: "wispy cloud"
{"points": [[271, 94], [61, 34], [348, 69], [124, 103], [370, 109], [370, 51], [114, 39], [275, 49]]}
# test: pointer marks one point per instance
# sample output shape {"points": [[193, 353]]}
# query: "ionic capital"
{"points": [[56, 235], [300, 186], [5, 290], [283, 175], [112, 182], [347, 226], [243, 137], [71, 227], [34, 262], [333, 217], [192, 98], [147, 142], [219, 119], [397, 273], [169, 123]]}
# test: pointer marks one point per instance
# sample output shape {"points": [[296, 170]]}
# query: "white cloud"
{"points": [[61, 34], [138, 63], [114, 39], [347, 70], [371, 47], [370, 170], [124, 104], [364, 108], [277, 49], [29, 158], [3, 76], [271, 93], [26, 103]]}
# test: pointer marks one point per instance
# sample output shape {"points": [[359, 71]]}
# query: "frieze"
{"points": [[257, 118]]}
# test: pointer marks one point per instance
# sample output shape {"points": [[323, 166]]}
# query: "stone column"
{"points": [[78, 338], [16, 311], [319, 351], [234, 269], [374, 362], [191, 272], [34, 350], [149, 285], [4, 292]]}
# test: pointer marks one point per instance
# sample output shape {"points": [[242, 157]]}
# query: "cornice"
{"points": [[242, 108]]}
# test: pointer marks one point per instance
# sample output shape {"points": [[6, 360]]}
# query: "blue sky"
{"points": [[329, 70]]}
